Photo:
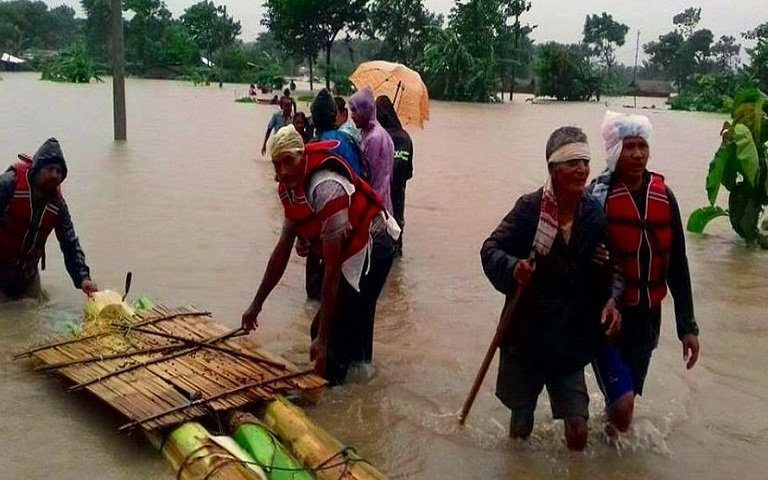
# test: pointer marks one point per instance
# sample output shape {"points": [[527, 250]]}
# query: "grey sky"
{"points": [[563, 20]]}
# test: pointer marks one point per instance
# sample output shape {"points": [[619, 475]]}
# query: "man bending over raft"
{"points": [[566, 294], [342, 219], [647, 234], [31, 207]]}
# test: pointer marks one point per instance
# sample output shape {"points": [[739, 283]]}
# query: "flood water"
{"points": [[189, 205]]}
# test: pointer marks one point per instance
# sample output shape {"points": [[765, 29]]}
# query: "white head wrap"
{"points": [[285, 140], [571, 151], [618, 126]]}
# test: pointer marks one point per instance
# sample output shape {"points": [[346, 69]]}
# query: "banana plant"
{"points": [[740, 165]]}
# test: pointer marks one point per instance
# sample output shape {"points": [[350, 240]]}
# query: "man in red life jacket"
{"points": [[647, 236], [338, 215], [31, 207]]}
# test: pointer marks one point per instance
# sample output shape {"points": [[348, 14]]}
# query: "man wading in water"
{"points": [[342, 219], [647, 234], [31, 207], [566, 292]]}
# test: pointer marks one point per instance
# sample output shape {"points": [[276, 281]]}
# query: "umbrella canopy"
{"points": [[401, 84]]}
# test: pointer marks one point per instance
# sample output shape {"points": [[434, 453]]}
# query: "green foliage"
{"points": [[453, 73], [565, 72], [26, 25], [602, 34], [210, 26], [710, 92], [702, 216], [759, 55], [741, 166], [684, 52], [74, 65], [246, 99], [304, 27], [405, 26]]}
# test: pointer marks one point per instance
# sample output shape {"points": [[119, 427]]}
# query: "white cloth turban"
{"points": [[618, 126]]}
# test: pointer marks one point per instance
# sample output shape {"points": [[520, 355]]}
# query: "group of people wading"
{"points": [[592, 264]]}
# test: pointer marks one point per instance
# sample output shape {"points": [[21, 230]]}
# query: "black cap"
{"points": [[49, 153]]}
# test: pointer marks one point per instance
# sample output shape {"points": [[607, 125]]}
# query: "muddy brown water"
{"points": [[188, 204]]}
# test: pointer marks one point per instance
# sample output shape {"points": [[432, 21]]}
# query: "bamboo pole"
{"points": [[101, 334], [231, 391], [164, 358], [201, 343], [507, 314], [115, 356]]}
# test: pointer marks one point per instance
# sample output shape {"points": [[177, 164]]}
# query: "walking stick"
{"points": [[505, 321]]}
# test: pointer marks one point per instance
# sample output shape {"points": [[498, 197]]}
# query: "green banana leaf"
{"points": [[702, 216], [744, 211], [724, 157], [746, 153]]}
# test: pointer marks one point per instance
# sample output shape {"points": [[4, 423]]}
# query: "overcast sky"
{"points": [[562, 20]]}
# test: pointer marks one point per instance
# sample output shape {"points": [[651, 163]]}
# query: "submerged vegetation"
{"points": [[74, 65], [741, 166]]}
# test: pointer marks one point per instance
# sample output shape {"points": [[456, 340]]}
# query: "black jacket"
{"points": [[557, 324]]}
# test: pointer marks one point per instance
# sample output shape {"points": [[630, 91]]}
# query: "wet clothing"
{"points": [[519, 386], [402, 171], [26, 220], [346, 149], [278, 121], [678, 274], [335, 204], [653, 230], [557, 322], [378, 149], [627, 362]]}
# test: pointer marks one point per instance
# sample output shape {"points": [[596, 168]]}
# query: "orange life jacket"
{"points": [[364, 203], [628, 232], [17, 224]]}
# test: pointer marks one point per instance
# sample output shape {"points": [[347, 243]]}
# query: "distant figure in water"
{"points": [[545, 250], [31, 207], [287, 94], [252, 91], [300, 124], [279, 120], [647, 233]]}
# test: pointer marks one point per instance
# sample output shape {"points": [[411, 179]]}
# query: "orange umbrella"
{"points": [[401, 84]]}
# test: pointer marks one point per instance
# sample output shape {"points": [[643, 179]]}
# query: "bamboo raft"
{"points": [[168, 366]]}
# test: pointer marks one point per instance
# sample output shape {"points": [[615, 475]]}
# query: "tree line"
{"points": [[479, 52]]}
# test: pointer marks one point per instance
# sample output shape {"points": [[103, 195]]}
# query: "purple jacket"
{"points": [[378, 149]]}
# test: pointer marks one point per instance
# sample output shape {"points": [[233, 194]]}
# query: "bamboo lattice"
{"points": [[172, 373]]}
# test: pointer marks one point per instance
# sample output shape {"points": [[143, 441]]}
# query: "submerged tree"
{"points": [[741, 166], [759, 55], [564, 72]]}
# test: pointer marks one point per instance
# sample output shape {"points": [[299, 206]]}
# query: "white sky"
{"points": [[562, 20]]}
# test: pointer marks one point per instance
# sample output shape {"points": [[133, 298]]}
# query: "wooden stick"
{"points": [[113, 356], [231, 391], [164, 358], [203, 344], [505, 321], [97, 335]]}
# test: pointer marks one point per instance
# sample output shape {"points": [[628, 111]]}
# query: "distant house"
{"points": [[654, 88], [9, 62]]}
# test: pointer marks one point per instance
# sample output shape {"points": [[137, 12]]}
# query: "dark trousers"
{"points": [[351, 336], [397, 193], [16, 287], [314, 271]]}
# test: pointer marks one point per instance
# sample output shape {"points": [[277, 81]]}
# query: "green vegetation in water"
{"points": [[740, 165], [74, 66], [246, 99]]}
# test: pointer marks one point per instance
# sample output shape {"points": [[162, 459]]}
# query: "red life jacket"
{"points": [[16, 226], [628, 232], [364, 203]]}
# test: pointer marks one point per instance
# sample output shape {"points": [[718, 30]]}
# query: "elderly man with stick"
{"points": [[544, 255]]}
